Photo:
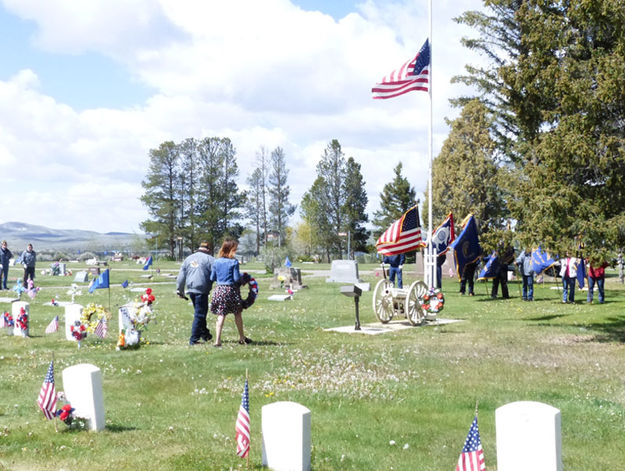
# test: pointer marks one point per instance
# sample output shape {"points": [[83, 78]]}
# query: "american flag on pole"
{"points": [[47, 395], [404, 235], [242, 426], [472, 456], [101, 329], [53, 326], [412, 75]]}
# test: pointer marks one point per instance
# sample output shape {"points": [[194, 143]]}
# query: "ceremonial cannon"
{"points": [[417, 303]]}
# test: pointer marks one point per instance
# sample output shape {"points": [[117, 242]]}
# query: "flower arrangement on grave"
{"points": [[66, 414], [79, 331], [433, 302], [32, 291], [54, 302], [91, 315], [7, 320], [147, 297], [19, 288], [22, 320]]}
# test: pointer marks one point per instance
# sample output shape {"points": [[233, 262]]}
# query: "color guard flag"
{"points": [[541, 261], [47, 395], [403, 236], [412, 75], [466, 247], [242, 427], [101, 281], [491, 268], [472, 456], [581, 273], [148, 262], [444, 235], [53, 326]]}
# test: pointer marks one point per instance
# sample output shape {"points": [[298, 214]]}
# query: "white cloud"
{"points": [[262, 73]]}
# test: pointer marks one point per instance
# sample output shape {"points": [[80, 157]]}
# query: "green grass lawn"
{"points": [[171, 406]]}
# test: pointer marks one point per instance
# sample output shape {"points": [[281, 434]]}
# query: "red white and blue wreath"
{"points": [[246, 279]]}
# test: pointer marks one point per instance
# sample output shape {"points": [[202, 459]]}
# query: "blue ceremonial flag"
{"points": [[101, 281], [466, 247], [491, 268], [444, 235], [148, 262], [287, 263], [125, 284], [581, 273], [541, 261]]}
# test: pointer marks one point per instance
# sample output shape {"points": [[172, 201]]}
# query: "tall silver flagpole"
{"points": [[429, 265]]}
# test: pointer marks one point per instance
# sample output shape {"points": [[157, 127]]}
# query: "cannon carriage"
{"points": [[411, 303]]}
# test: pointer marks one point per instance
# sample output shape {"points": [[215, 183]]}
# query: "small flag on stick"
{"points": [[125, 284], [242, 426], [53, 326], [47, 395], [472, 456], [148, 262], [101, 329], [100, 282]]}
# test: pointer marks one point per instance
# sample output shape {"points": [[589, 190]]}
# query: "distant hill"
{"points": [[19, 234]]}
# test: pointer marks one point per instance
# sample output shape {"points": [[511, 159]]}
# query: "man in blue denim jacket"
{"points": [[524, 262], [195, 273]]}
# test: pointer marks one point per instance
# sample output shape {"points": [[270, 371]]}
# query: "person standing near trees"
{"points": [[568, 272], [596, 275], [226, 297], [195, 272], [5, 258], [524, 262], [29, 260], [468, 275]]}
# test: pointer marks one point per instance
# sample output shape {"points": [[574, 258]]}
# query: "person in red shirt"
{"points": [[596, 274]]}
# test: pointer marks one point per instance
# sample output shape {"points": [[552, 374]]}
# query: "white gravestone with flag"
{"points": [[286, 436], [83, 390]]}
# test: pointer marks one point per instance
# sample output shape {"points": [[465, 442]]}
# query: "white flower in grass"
{"points": [[406, 446], [392, 442]]}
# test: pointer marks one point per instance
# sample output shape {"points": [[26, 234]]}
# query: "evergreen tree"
{"points": [[556, 86], [189, 192], [396, 198], [331, 169], [254, 208], [315, 209], [465, 178], [279, 209], [355, 206], [161, 196]]}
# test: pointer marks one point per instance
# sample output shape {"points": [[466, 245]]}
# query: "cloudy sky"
{"points": [[88, 88]]}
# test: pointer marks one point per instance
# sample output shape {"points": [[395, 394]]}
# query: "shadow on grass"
{"points": [[613, 330], [117, 428]]}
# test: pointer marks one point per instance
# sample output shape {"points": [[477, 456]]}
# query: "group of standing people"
{"points": [[28, 260], [199, 272], [568, 273]]}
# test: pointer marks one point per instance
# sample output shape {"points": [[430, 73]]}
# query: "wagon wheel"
{"points": [[415, 314], [383, 301]]}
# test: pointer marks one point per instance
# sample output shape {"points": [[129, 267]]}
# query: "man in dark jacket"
{"points": [[195, 273], [5, 258], [397, 263], [29, 259]]}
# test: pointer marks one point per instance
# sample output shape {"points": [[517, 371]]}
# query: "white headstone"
{"points": [[16, 308], [528, 437], [280, 297], [286, 436], [72, 314], [81, 277], [344, 271], [62, 269], [83, 389]]}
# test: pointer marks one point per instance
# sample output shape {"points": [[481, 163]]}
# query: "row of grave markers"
{"points": [[528, 433]]}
